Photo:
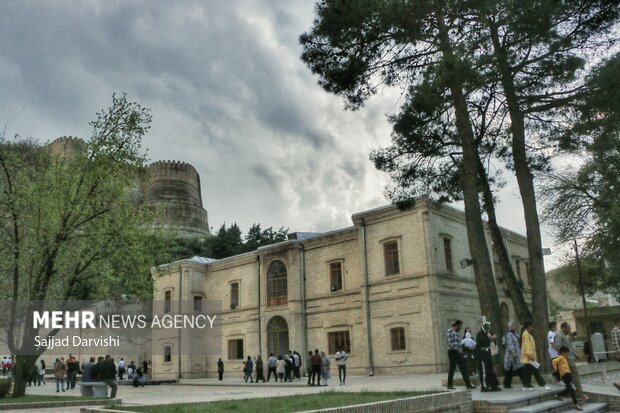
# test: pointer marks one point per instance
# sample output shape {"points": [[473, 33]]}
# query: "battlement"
{"points": [[66, 145], [171, 167]]}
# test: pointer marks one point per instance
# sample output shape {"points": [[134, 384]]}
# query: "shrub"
{"points": [[5, 387]]}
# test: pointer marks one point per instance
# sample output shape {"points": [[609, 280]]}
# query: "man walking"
{"points": [[317, 366], [271, 367], [455, 355], [73, 367], [107, 371], [341, 358], [562, 339]]}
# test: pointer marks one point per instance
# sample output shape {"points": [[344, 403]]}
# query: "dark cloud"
{"points": [[227, 91]]}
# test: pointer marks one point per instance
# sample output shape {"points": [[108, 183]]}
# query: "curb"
{"points": [[60, 403]]}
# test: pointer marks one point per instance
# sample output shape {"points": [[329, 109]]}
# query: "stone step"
{"points": [[543, 407], [556, 406], [590, 408]]}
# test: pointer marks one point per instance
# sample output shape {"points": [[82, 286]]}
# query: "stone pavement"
{"points": [[197, 390]]}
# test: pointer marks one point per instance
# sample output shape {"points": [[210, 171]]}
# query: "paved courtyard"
{"points": [[199, 390]]}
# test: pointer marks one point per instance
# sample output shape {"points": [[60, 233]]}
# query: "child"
{"points": [[560, 364]]}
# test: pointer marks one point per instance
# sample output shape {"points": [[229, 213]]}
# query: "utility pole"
{"points": [[583, 297]]}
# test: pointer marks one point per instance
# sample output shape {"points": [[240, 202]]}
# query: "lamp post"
{"points": [[583, 295]]}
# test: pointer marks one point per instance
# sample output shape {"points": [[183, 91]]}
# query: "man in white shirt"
{"points": [[341, 358], [553, 351]]}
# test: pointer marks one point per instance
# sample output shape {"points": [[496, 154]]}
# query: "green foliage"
{"points": [[583, 202], [70, 226], [5, 387], [227, 242]]}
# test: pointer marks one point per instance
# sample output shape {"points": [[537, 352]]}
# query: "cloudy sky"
{"points": [[228, 94]]}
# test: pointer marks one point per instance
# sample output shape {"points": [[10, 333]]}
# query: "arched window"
{"points": [[277, 290], [277, 335]]}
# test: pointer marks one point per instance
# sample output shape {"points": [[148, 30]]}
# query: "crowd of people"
{"points": [[288, 367], [66, 371], [477, 356]]}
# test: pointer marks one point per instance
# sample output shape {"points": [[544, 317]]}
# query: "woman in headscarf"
{"points": [[469, 345], [512, 356], [326, 362], [488, 379]]}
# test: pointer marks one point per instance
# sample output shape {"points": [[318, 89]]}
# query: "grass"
{"points": [[285, 404], [31, 398]]}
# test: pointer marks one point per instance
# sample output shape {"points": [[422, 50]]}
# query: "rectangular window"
{"points": [[197, 303], [235, 349], [335, 276], [167, 301], [234, 295], [447, 250], [339, 339], [398, 339], [167, 354], [518, 269], [390, 253]]}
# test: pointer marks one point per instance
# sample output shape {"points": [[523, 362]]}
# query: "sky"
{"points": [[228, 94]]}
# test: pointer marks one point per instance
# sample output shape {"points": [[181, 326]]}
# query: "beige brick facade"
{"points": [[420, 299]]}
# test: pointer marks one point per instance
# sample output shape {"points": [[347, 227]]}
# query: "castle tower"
{"points": [[66, 146], [174, 189]]}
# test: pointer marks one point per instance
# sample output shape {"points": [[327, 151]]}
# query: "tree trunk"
{"points": [[540, 309], [483, 270], [23, 369], [514, 290]]}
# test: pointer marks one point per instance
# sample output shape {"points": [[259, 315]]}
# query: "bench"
{"points": [[94, 389]]}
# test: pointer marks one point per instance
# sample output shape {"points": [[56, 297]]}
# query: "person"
{"points": [[296, 365], [561, 365], [60, 369], [280, 368], [42, 373], [87, 370], [259, 369], [288, 367], [553, 351], [512, 356], [325, 372], [138, 379], [271, 367], [108, 375], [562, 339], [317, 364], [249, 369], [145, 367], [615, 344], [131, 370], [73, 368], [121, 369], [468, 344], [220, 369], [455, 356], [33, 376], [309, 366], [484, 340], [528, 358], [341, 359]]}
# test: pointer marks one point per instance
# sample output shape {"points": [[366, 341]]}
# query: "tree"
{"points": [[583, 203], [356, 47], [69, 221], [536, 51], [425, 156]]}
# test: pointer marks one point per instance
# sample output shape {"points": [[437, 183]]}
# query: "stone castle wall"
{"points": [[172, 189]]}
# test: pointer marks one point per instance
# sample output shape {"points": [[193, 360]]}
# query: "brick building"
{"points": [[386, 289]]}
